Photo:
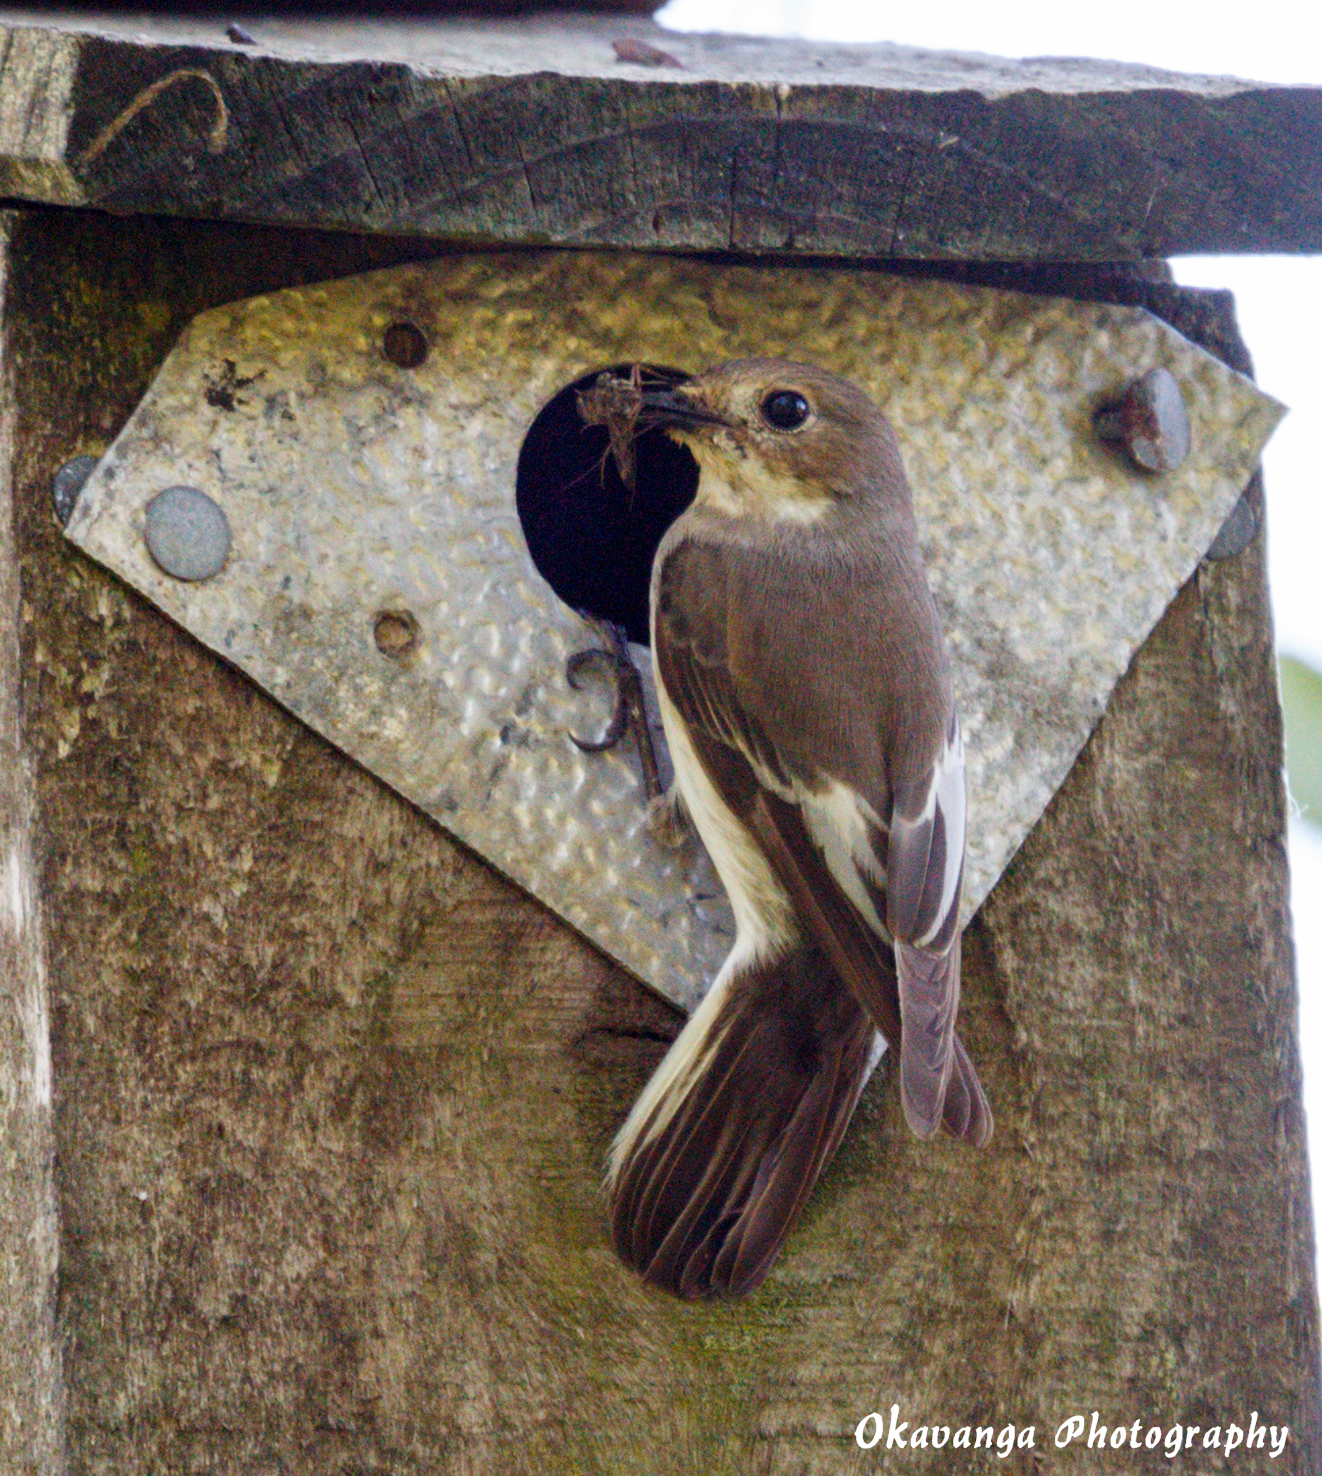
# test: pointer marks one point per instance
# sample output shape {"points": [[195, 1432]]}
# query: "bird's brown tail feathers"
{"points": [[710, 1172]]}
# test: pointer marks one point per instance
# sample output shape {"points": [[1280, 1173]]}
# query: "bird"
{"points": [[808, 705]]}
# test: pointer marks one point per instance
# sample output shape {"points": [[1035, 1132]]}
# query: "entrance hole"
{"points": [[592, 538]]}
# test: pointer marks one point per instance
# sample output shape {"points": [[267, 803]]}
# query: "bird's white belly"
{"points": [[764, 916]]}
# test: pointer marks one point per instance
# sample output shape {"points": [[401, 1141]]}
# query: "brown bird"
{"points": [[807, 700]]}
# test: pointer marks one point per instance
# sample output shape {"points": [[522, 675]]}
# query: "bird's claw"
{"points": [[620, 717], [630, 710]]}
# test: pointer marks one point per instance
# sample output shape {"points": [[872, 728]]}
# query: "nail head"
{"points": [[1236, 532], [187, 533], [1151, 420], [67, 483]]}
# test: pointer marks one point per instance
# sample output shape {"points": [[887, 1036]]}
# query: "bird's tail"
{"points": [[720, 1152]]}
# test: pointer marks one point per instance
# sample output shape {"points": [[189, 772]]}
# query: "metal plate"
{"points": [[352, 486]]}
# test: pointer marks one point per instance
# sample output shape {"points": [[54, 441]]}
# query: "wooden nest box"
{"points": [[306, 1078]]}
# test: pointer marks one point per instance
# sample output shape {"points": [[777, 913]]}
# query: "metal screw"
{"points": [[1237, 531], [67, 483], [1150, 420], [187, 533], [404, 344], [396, 634]]}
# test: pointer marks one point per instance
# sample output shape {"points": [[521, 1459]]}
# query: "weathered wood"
{"points": [[30, 1404], [535, 131], [331, 1098]]}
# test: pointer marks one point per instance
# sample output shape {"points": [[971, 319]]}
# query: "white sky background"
{"points": [[1279, 299]]}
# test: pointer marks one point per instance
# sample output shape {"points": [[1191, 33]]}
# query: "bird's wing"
{"points": [[925, 869], [840, 862]]}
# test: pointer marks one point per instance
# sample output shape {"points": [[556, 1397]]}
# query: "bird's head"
{"points": [[778, 439]]}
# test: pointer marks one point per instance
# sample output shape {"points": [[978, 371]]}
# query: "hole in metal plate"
{"points": [[404, 344], [396, 634], [591, 537]]}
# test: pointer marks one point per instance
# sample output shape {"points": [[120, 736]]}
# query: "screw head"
{"points": [[67, 483], [187, 533], [1150, 420], [1237, 532]]}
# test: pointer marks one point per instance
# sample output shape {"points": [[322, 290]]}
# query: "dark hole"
{"points": [[404, 344], [592, 539]]}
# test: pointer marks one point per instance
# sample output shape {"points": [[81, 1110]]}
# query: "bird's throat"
{"points": [[734, 484]]}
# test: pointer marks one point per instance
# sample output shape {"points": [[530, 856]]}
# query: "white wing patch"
{"points": [[838, 820], [947, 796]]}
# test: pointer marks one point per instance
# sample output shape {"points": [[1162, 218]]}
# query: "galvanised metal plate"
{"points": [[352, 486]]}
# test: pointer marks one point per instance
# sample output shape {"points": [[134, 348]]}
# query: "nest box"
{"points": [[330, 964]]}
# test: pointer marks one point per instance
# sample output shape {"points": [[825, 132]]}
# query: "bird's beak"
{"points": [[674, 406]]}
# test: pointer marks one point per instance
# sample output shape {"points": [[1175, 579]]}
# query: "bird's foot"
{"points": [[630, 712], [577, 663]]}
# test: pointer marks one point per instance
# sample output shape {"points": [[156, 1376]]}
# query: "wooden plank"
{"points": [[534, 131], [331, 1098], [31, 1434]]}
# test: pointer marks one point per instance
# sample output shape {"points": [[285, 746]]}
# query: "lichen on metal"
{"points": [[353, 487]]}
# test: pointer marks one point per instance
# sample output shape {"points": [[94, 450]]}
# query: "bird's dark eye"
{"points": [[785, 410]]}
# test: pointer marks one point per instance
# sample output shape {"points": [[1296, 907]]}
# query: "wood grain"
{"points": [[536, 131], [30, 1384]]}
